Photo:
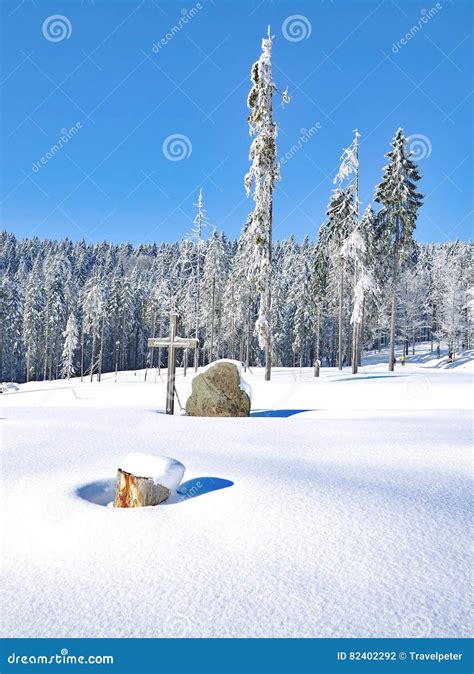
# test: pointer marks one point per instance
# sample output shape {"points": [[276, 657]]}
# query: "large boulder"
{"points": [[218, 392]]}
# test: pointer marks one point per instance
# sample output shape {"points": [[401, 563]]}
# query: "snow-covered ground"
{"points": [[341, 508]]}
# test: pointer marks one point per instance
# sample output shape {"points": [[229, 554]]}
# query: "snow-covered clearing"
{"points": [[341, 508]]}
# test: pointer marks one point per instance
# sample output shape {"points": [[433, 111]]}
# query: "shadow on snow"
{"points": [[278, 413], [102, 492]]}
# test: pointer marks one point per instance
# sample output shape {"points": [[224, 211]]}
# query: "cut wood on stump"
{"points": [[146, 480], [132, 491]]}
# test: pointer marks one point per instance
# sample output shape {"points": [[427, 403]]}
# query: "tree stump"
{"points": [[132, 491]]}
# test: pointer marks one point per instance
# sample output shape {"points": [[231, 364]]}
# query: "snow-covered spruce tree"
{"points": [[56, 272], [93, 307], [199, 223], [455, 298], [400, 203], [212, 287], [262, 175], [300, 299], [11, 311], [356, 249], [242, 270], [71, 341], [320, 283], [349, 172], [32, 320], [341, 218]]}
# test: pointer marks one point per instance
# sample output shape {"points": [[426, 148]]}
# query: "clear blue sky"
{"points": [[113, 181]]}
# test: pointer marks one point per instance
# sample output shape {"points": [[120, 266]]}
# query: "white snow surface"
{"points": [[341, 508], [162, 469]]}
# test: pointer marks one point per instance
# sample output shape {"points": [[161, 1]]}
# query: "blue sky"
{"points": [[109, 68]]}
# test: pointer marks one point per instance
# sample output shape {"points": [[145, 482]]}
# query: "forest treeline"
{"points": [[68, 308]]}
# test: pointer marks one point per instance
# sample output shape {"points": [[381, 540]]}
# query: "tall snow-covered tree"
{"points": [[33, 321], [263, 173], [70, 346], [397, 193], [300, 299], [93, 307], [349, 172], [200, 222], [213, 282], [356, 249], [341, 218]]}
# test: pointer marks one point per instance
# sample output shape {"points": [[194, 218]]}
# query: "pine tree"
{"points": [[93, 306], [400, 203], [32, 320], [300, 298], [341, 218], [356, 249], [200, 222], [70, 346], [263, 173], [212, 288], [320, 285]]}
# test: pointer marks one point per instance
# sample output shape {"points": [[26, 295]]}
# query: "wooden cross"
{"points": [[172, 343]]}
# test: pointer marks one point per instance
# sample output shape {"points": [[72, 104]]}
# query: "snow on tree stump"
{"points": [[146, 480]]}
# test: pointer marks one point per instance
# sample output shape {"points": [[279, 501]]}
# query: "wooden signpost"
{"points": [[172, 343]]}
